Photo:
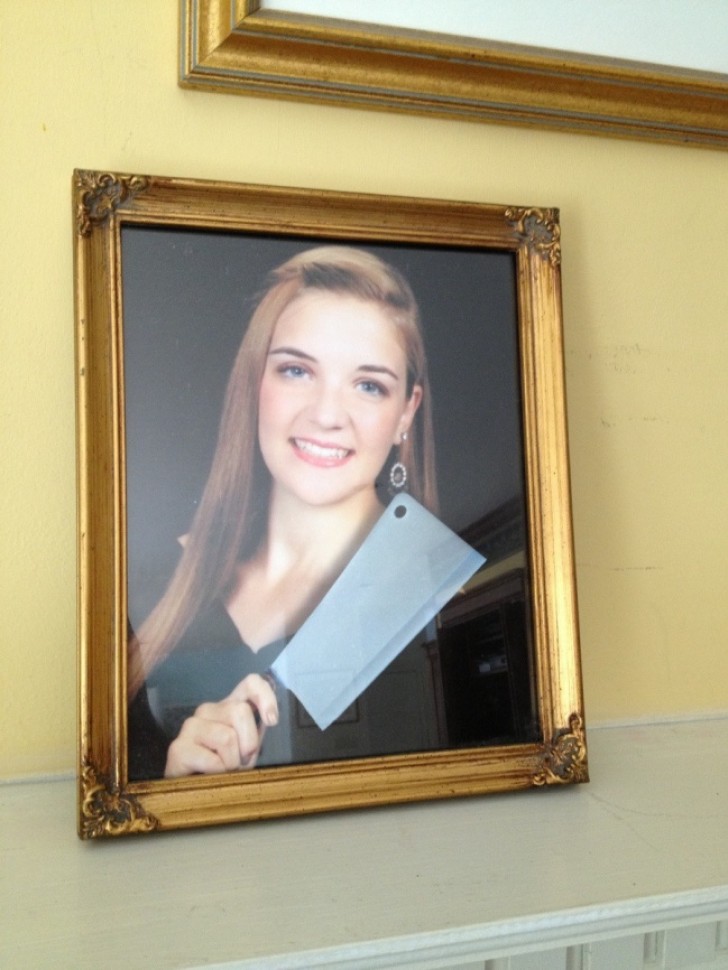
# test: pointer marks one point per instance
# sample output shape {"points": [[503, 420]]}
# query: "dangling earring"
{"points": [[398, 472]]}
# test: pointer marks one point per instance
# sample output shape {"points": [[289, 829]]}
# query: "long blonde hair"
{"points": [[230, 519]]}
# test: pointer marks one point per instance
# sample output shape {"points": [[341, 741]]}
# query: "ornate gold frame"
{"points": [[108, 803], [231, 45]]}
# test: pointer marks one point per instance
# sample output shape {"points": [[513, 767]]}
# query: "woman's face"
{"points": [[333, 399]]}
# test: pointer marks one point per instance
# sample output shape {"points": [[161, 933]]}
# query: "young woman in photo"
{"points": [[327, 410]]}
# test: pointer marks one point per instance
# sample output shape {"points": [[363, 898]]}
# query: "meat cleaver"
{"points": [[404, 572]]}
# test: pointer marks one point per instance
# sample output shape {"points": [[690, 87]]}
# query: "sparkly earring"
{"points": [[398, 472]]}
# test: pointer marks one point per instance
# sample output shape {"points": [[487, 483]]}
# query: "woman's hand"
{"points": [[226, 735]]}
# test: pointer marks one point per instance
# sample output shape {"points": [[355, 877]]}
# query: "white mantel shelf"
{"points": [[468, 883]]}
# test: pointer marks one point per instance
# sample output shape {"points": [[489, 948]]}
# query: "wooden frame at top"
{"points": [[231, 45]]}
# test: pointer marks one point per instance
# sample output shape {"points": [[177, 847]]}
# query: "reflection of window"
{"points": [[486, 667], [501, 533]]}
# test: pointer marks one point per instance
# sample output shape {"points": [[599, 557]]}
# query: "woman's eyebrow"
{"points": [[292, 352], [363, 368], [378, 369]]}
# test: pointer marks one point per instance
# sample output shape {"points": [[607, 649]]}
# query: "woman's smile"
{"points": [[333, 398], [318, 453]]}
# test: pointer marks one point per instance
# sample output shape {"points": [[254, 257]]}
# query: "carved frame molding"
{"points": [[234, 46]]}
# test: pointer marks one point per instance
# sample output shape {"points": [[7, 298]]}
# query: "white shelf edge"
{"points": [[501, 939]]}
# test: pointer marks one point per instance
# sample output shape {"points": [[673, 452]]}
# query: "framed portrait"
{"points": [[253, 48], [324, 525]]}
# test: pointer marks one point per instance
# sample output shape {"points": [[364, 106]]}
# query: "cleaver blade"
{"points": [[401, 576]]}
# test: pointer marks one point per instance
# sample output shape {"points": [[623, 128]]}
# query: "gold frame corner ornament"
{"points": [[540, 230], [107, 810], [237, 46], [99, 195], [565, 756]]}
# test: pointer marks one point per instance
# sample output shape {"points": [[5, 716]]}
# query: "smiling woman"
{"points": [[327, 410], [333, 396]]}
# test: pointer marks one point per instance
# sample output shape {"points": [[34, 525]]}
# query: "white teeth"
{"points": [[319, 450]]}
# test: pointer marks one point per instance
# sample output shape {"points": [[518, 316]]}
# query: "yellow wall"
{"points": [[646, 317]]}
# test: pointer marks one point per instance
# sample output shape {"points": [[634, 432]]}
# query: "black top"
{"points": [[396, 713], [209, 661]]}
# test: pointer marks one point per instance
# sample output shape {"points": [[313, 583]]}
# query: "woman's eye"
{"points": [[374, 388], [292, 370]]}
